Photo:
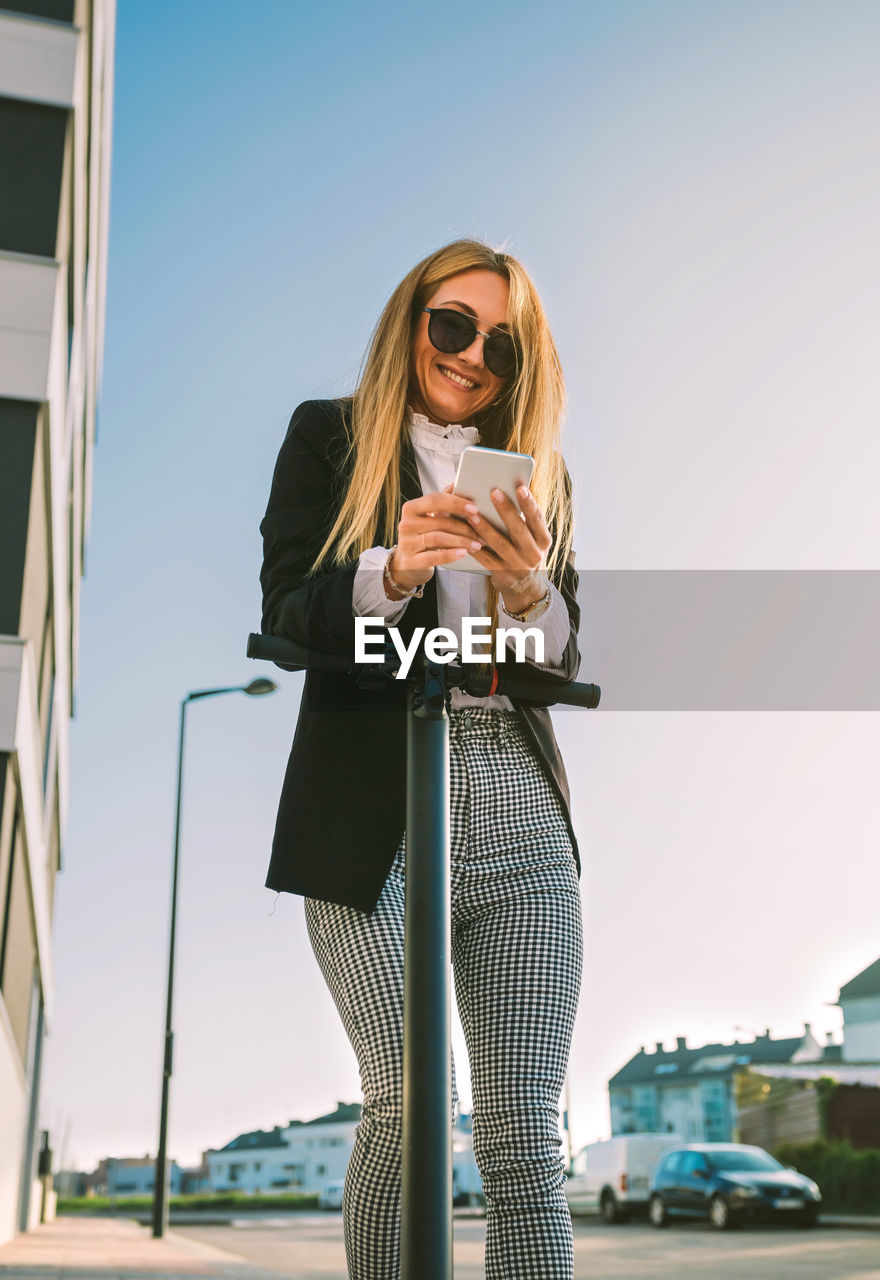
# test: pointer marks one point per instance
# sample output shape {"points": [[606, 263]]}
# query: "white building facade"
{"points": [[859, 1000], [56, 63], [307, 1156], [303, 1156]]}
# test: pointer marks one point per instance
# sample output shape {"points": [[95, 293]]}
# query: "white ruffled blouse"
{"points": [[459, 594]]}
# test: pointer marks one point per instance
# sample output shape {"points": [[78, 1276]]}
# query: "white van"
{"points": [[613, 1178]]}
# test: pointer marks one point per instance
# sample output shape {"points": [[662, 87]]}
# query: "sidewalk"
{"points": [[114, 1249]]}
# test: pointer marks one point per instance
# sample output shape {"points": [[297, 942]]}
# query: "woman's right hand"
{"points": [[432, 530]]}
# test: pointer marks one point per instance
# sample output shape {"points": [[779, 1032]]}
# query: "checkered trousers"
{"points": [[517, 956]]}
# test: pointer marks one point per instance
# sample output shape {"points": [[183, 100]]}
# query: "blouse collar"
{"points": [[453, 439]]}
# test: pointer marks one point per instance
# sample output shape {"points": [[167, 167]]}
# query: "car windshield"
{"points": [[744, 1162]]}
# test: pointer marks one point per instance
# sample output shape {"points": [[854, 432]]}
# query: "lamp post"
{"points": [[160, 1188]]}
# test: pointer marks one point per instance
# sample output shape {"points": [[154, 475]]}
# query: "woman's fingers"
{"points": [[437, 539], [422, 562], [439, 528], [526, 540], [414, 527], [447, 557], [489, 560], [517, 529], [445, 503], [534, 518], [506, 550], [502, 552], [420, 552], [490, 537]]}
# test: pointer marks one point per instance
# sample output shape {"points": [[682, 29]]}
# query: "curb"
{"points": [[850, 1222]]}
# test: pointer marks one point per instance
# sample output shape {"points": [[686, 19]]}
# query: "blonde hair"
{"points": [[527, 417]]}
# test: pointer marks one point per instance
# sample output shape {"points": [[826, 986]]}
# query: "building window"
{"points": [[647, 1117], [622, 1117], [18, 948], [50, 714], [715, 1110], [7, 893]]}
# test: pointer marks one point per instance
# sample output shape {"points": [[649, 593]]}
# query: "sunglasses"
{"points": [[453, 331]]}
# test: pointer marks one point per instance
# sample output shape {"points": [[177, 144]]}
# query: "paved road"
{"points": [[309, 1247]]}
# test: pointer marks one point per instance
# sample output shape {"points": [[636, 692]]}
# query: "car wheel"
{"points": [[719, 1213], [808, 1219], [609, 1209], [658, 1214]]}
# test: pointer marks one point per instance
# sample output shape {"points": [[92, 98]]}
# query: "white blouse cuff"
{"points": [[368, 598], [553, 622]]}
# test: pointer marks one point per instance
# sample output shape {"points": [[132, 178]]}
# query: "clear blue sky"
{"points": [[694, 186]]}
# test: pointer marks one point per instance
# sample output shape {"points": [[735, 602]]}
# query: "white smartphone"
{"points": [[479, 472]]}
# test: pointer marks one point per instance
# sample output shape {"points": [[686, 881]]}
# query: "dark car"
{"points": [[730, 1184]]}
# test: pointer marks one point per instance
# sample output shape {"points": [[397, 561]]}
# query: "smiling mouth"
{"points": [[464, 383]]}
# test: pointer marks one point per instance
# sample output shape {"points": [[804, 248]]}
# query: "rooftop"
{"points": [[263, 1139], [345, 1113], [708, 1059], [258, 1140], [866, 983]]}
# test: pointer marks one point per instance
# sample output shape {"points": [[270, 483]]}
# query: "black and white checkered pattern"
{"points": [[517, 956]]}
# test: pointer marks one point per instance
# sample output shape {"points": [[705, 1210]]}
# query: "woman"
{"points": [[362, 522]]}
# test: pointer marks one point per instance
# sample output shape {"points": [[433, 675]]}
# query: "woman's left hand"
{"points": [[520, 553]]}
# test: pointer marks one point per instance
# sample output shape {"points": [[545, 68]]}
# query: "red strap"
{"points": [[494, 685]]}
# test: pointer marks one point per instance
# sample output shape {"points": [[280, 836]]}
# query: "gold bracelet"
{"points": [[529, 609], [416, 592]]}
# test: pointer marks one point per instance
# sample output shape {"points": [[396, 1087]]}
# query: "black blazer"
{"points": [[343, 803]]}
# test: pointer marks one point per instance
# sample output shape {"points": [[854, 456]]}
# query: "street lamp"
{"points": [[160, 1189]]}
